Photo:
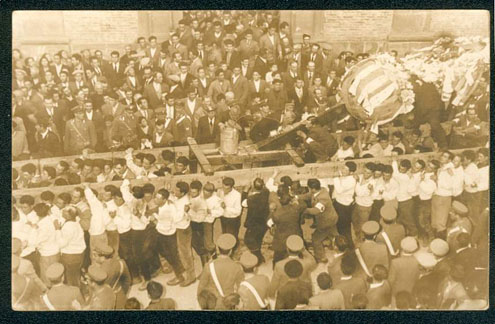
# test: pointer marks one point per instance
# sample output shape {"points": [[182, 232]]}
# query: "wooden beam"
{"points": [[277, 141], [295, 158], [245, 177], [200, 156], [246, 157]]}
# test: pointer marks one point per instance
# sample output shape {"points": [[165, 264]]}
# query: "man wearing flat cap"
{"points": [[296, 292], [404, 270], [222, 276], [426, 288], [253, 291], [459, 223], [102, 297], [25, 292], [440, 250], [80, 133], [60, 296], [118, 277], [371, 253], [392, 233], [296, 251]]}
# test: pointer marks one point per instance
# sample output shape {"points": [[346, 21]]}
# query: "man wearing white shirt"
{"points": [[484, 176], [457, 178], [427, 187], [214, 210], [166, 240], [471, 177], [343, 195], [24, 228], [346, 150], [138, 264], [70, 239], [442, 198], [97, 233], [45, 241], [376, 194], [111, 211], [364, 199], [122, 219], [390, 187], [197, 211], [184, 231], [231, 203], [405, 210]]}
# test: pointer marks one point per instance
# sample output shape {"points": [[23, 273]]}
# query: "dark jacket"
{"points": [[257, 210]]}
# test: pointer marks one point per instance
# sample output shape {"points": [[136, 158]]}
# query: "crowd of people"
{"points": [[409, 235]]}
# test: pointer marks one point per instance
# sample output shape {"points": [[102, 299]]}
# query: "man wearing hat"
{"points": [[208, 130], [253, 291], [459, 223], [371, 253], [404, 270], [426, 288], [392, 233], [80, 133], [222, 276], [296, 250], [102, 297], [265, 125], [60, 296], [117, 275], [125, 127], [440, 250], [295, 292], [25, 292]]}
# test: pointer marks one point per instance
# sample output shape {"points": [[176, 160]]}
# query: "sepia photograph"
{"points": [[252, 160]]}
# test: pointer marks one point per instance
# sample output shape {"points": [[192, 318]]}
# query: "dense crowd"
{"points": [[409, 235]]}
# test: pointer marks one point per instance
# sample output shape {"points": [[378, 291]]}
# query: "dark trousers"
{"points": [[345, 219], [113, 241], [198, 238], [375, 210], [125, 246], [72, 264], [231, 226], [253, 240], [405, 216], [209, 241], [472, 202], [424, 219], [86, 255], [167, 247], [139, 262]]}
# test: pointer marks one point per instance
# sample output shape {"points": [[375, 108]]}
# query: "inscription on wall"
{"points": [[101, 26]]}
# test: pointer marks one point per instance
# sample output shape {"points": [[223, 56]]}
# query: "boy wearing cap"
{"points": [[253, 291], [60, 296], [392, 233], [371, 253], [222, 276], [328, 298], [404, 270], [296, 292], [296, 251]]}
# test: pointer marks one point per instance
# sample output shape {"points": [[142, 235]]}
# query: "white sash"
{"points": [[389, 244], [22, 295], [215, 279], [363, 264], [48, 303], [120, 275], [255, 293]]}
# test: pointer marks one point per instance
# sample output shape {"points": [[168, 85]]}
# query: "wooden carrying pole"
{"points": [[245, 177]]}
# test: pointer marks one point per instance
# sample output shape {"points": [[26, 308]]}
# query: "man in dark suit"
{"points": [[48, 143], [153, 52], [299, 95], [257, 86], [185, 78], [58, 67], [261, 63], [115, 71], [231, 56], [208, 130], [289, 77], [295, 292], [78, 82], [310, 74], [404, 270], [371, 253], [55, 115], [240, 86], [256, 202], [153, 91], [314, 56], [350, 284], [96, 117], [185, 34]]}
